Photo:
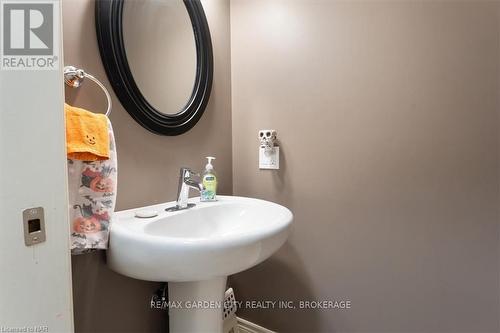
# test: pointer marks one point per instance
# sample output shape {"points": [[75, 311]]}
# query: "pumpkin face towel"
{"points": [[87, 137]]}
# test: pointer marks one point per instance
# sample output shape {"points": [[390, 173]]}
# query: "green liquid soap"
{"points": [[209, 182]]}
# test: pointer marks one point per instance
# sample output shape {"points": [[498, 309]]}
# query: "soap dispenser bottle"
{"points": [[209, 180]]}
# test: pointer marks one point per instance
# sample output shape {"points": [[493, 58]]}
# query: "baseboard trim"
{"points": [[245, 326]]}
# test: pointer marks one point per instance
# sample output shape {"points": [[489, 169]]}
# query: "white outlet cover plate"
{"points": [[269, 160]]}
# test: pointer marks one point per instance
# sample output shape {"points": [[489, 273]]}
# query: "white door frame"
{"points": [[35, 281]]}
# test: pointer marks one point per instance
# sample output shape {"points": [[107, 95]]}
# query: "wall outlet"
{"points": [[269, 159]]}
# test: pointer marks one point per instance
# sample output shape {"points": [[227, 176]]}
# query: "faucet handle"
{"points": [[188, 173], [185, 172]]}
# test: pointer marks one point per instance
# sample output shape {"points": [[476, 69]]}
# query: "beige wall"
{"points": [[387, 113], [148, 168]]}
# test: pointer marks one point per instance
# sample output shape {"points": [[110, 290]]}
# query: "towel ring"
{"points": [[73, 77]]}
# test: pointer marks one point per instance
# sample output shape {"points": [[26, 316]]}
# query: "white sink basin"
{"points": [[210, 240], [197, 248]]}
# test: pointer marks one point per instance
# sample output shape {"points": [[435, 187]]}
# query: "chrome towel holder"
{"points": [[73, 77]]}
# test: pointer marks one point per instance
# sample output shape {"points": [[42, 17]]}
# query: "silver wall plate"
{"points": [[34, 226]]}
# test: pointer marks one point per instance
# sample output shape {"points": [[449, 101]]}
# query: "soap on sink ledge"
{"points": [[144, 214]]}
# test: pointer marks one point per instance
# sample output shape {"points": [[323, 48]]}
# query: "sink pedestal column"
{"points": [[202, 305]]}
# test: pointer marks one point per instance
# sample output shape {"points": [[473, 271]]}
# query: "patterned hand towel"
{"points": [[92, 194]]}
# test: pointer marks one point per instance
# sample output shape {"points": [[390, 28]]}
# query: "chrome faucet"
{"points": [[186, 182]]}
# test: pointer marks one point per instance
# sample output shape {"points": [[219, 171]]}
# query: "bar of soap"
{"points": [[144, 214]]}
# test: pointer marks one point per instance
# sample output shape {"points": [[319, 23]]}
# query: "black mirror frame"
{"points": [[108, 22]]}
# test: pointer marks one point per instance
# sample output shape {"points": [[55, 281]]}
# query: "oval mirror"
{"points": [[159, 45], [158, 58]]}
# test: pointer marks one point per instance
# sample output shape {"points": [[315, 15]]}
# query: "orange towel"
{"points": [[87, 137]]}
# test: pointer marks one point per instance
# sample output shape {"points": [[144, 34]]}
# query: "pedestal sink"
{"points": [[194, 250]]}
